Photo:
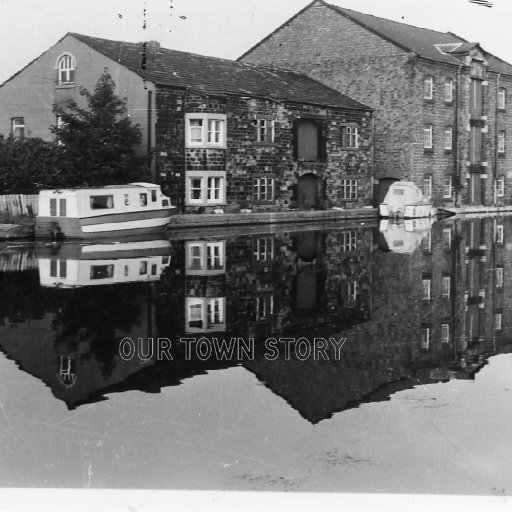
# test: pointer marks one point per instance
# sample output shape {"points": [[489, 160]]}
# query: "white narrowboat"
{"points": [[405, 200], [111, 211], [74, 266]]}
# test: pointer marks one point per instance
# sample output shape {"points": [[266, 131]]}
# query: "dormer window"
{"points": [[66, 66]]}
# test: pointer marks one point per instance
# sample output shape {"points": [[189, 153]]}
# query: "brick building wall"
{"points": [[243, 158], [383, 75]]}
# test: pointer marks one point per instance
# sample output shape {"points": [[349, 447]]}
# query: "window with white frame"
{"points": [[425, 289], [348, 189], [448, 138], [445, 286], [427, 136], [205, 314], [349, 293], [425, 338], [263, 249], [205, 188], [497, 321], [448, 90], [498, 233], [205, 130], [428, 88], [203, 256], [263, 189], [348, 241], [445, 333], [502, 98], [499, 277], [350, 137], [265, 130], [427, 186], [501, 141], [66, 67], [18, 127], [499, 184], [448, 187]]}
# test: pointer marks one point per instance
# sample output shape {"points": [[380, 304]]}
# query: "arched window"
{"points": [[66, 66]]}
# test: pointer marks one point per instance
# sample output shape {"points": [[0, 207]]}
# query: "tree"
{"points": [[97, 143]]}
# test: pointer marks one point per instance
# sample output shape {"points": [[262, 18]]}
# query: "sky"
{"points": [[221, 28]]}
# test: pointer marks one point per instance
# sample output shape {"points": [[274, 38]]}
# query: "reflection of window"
{"points": [[264, 306], [445, 333], [498, 233], [126, 200], [153, 269], [499, 277], [348, 241], [67, 371], [448, 138], [349, 293], [102, 202], [447, 238], [497, 321], [264, 249], [425, 338], [445, 286], [205, 256], [426, 243], [425, 295], [143, 268], [153, 196], [205, 314], [501, 141], [66, 67], [102, 271], [60, 266]]}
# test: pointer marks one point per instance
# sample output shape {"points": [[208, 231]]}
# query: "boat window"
{"points": [[126, 200], [165, 202], [143, 199], [398, 192], [53, 207], [143, 268], [153, 270], [62, 207], [102, 202], [153, 195], [102, 271]]}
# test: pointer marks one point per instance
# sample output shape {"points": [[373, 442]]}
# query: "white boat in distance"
{"points": [[405, 200], [114, 210]]}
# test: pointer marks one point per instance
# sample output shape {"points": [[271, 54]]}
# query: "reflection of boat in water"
{"points": [[404, 237], [74, 265], [405, 199], [117, 210]]}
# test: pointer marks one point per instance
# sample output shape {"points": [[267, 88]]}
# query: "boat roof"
{"points": [[105, 187]]}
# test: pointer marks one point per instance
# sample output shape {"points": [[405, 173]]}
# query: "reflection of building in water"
{"points": [[429, 314], [103, 264]]}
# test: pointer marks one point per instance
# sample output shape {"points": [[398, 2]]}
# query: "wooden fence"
{"points": [[17, 261], [18, 204]]}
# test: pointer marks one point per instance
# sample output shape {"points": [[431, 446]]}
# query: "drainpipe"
{"points": [[150, 129]]}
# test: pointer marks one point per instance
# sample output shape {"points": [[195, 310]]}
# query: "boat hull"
{"points": [[104, 226], [408, 212]]}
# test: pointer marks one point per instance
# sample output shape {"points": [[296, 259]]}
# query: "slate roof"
{"points": [[211, 75], [421, 41]]}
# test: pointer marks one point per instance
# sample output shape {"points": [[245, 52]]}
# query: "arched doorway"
{"points": [[309, 188]]}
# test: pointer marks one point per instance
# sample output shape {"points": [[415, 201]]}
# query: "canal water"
{"points": [[364, 357]]}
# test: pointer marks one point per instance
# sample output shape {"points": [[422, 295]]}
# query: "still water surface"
{"points": [[418, 399]]}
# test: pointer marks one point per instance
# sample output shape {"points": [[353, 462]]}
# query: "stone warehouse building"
{"points": [[221, 134], [442, 104]]}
